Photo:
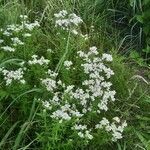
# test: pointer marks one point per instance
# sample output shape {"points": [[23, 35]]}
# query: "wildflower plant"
{"points": [[14, 35], [93, 97], [68, 22]]}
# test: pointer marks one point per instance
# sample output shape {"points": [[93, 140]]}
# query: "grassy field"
{"points": [[74, 75]]}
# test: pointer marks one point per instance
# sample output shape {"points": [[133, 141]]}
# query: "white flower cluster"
{"points": [[25, 25], [50, 83], [68, 64], [8, 48], [85, 37], [69, 101], [83, 131], [26, 34], [40, 61], [50, 50], [24, 29], [115, 129], [67, 21], [10, 76], [97, 85], [46, 104], [1, 41], [66, 112], [17, 41], [71, 22]]}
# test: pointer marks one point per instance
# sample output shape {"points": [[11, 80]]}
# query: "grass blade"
{"points": [[7, 135]]}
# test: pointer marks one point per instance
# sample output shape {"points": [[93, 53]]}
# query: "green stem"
{"points": [[63, 57]]}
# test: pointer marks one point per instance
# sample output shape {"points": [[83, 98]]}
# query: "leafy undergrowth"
{"points": [[63, 83]]}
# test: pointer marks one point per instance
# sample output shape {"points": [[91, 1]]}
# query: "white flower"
{"points": [[31, 26], [23, 17], [52, 73], [17, 41], [61, 14], [93, 50], [75, 32], [26, 34], [68, 64], [9, 76], [108, 72], [116, 136], [22, 63], [8, 48], [59, 82], [88, 135], [124, 124], [40, 61], [49, 50], [65, 20], [69, 88], [47, 105], [86, 37], [75, 19], [116, 119], [1, 41], [22, 81], [49, 83], [80, 127], [61, 114], [81, 135], [115, 130], [107, 57], [104, 122], [81, 54], [6, 33]]}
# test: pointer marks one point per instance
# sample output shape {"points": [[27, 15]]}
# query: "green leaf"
{"points": [[140, 18], [143, 140], [146, 50], [4, 140], [134, 55], [3, 94], [9, 61]]}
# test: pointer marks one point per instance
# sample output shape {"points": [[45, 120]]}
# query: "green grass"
{"points": [[23, 122]]}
